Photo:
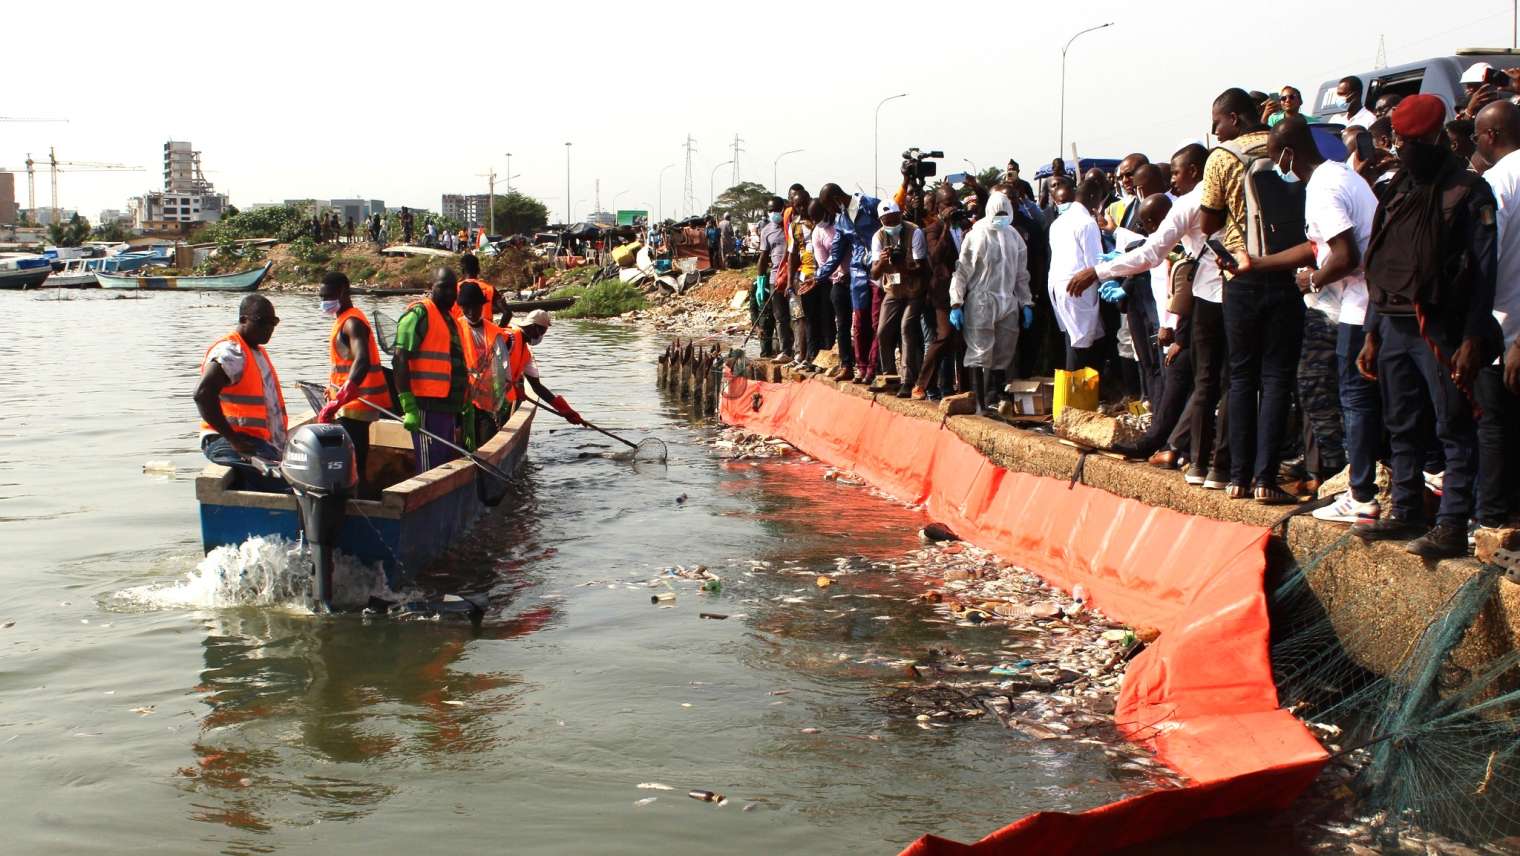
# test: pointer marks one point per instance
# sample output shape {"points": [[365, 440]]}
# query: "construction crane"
{"points": [[53, 164]]}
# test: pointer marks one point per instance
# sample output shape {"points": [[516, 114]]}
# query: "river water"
{"points": [[134, 718]]}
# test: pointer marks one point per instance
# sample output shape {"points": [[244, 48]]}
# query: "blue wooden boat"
{"points": [[23, 270], [416, 518], [247, 280]]}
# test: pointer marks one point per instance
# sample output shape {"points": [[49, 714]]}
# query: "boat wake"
{"points": [[264, 572]]}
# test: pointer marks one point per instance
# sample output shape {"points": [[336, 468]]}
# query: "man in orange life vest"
{"points": [[522, 367], [495, 303], [241, 406], [486, 358], [432, 383], [356, 371]]}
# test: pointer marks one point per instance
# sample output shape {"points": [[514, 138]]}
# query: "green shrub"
{"points": [[606, 299]]}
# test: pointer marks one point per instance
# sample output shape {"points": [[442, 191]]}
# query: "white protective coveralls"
{"points": [[991, 285]]}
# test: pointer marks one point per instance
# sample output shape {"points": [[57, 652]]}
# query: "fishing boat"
{"points": [[247, 280], [414, 520], [23, 270]]}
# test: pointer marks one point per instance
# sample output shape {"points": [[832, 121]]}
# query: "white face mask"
{"points": [[331, 307], [1001, 220], [892, 230], [1286, 174], [1062, 206], [1336, 103]]}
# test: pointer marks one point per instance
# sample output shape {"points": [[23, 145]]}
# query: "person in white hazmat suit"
{"points": [[988, 292]]}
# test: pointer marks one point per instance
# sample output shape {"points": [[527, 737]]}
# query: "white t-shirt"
{"points": [[1337, 199], [1363, 117], [1504, 178], [230, 357]]}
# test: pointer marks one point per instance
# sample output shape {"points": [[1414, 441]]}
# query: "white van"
{"points": [[1440, 76]]}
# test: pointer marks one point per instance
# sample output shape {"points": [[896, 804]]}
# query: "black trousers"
{"points": [[844, 319], [777, 315], [1175, 389], [358, 432], [1211, 449], [1498, 448], [1140, 313]]}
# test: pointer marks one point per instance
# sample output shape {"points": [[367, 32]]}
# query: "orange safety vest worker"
{"points": [[518, 356], [429, 367], [373, 386], [487, 289], [477, 362], [243, 402]]}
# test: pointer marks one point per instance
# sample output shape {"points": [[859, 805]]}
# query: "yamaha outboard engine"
{"points": [[319, 466]]}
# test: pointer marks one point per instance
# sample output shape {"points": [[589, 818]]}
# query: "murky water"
{"points": [[191, 729]]}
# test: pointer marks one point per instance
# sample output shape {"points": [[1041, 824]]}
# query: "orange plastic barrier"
{"points": [[1201, 696]]}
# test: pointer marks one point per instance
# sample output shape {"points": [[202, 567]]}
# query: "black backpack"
{"points": [[1274, 208]]}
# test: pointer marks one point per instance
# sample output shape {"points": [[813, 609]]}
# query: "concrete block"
{"points": [[1093, 429], [827, 359], [1488, 541], [963, 404]]}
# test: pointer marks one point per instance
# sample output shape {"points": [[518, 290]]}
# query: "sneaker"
{"points": [[934, 395], [1388, 528], [1216, 480], [1346, 509], [919, 394], [904, 392], [1443, 541], [1195, 476]]}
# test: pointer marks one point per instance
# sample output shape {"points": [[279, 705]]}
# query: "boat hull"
{"points": [[24, 278], [247, 280], [409, 527]]}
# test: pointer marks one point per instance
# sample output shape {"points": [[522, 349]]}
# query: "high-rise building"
{"points": [[466, 208], [187, 199]]}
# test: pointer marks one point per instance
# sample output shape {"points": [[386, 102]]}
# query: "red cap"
{"points": [[1418, 115]]}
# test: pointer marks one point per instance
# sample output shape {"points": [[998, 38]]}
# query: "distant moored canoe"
{"points": [[247, 280]]}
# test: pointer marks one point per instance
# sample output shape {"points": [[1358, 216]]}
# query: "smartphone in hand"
{"points": [[1225, 258]]}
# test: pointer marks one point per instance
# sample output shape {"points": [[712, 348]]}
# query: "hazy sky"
{"points": [[405, 102]]}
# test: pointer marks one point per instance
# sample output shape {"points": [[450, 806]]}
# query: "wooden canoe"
{"points": [[247, 280]]}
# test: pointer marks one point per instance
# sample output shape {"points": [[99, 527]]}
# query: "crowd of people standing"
{"points": [[1330, 296]]}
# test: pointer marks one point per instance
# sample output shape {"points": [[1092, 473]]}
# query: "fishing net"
{"points": [[650, 450], [385, 332], [1435, 739]]}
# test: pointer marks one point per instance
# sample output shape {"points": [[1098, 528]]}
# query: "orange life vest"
{"points": [[518, 356], [243, 402], [373, 385], [429, 367], [478, 362], [487, 289]]}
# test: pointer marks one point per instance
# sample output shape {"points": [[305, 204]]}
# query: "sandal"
{"points": [[1238, 491]]}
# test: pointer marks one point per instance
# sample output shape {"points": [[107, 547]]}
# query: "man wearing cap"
{"points": [[522, 366], [1431, 266], [1481, 84], [898, 265]]}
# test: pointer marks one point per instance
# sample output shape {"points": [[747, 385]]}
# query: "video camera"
{"points": [[917, 165]]}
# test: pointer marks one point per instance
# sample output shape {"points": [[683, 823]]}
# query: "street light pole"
{"points": [[1061, 142], [775, 170], [510, 176], [712, 196], [974, 170], [876, 142], [614, 204], [567, 185], [662, 190]]}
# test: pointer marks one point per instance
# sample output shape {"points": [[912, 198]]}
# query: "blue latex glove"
{"points": [[957, 317], [760, 291], [1111, 291], [1028, 320], [1110, 255]]}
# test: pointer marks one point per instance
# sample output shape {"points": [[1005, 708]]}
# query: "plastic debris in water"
{"points": [[663, 597], [643, 802], [824, 582], [937, 532], [654, 786], [159, 468], [708, 796], [713, 585], [715, 616], [810, 730]]}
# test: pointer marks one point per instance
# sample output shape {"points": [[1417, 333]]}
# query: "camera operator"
{"points": [[898, 268]]}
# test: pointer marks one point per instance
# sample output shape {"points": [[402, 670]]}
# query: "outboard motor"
{"points": [[319, 466]]}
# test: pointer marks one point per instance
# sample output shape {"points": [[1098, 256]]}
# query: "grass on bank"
{"points": [[606, 299]]}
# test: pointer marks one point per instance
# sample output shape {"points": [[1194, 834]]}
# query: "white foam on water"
{"points": [[262, 571]]}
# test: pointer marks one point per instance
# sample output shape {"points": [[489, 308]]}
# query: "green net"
{"points": [[1433, 741]]}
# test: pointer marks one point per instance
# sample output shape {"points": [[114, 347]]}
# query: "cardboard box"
{"points": [[1032, 397]]}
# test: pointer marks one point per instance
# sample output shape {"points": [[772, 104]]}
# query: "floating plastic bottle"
{"points": [[159, 468]]}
